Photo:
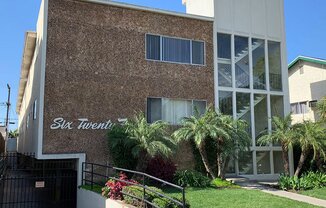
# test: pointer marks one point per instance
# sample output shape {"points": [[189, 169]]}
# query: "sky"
{"points": [[305, 32]]}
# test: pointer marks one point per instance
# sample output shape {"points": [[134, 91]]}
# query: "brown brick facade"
{"points": [[96, 69]]}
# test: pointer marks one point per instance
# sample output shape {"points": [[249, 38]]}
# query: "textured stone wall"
{"points": [[96, 69]]}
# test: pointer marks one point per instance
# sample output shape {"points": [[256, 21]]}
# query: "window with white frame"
{"points": [[173, 110], [176, 50], [299, 108]]}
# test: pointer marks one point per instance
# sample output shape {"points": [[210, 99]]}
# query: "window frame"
{"points": [[173, 62], [162, 98]]}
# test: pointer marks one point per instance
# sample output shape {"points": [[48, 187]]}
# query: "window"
{"points": [[299, 108], [34, 110], [175, 50], [153, 47], [275, 66], [173, 110], [224, 60], [313, 103]]}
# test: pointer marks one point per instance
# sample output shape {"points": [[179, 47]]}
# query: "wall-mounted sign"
{"points": [[81, 123], [39, 184]]}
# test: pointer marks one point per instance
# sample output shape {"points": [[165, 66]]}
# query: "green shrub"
{"points": [[120, 152], [309, 180], [191, 178], [219, 183], [138, 192], [164, 203]]}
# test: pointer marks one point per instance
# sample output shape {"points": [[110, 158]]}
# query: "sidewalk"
{"points": [[298, 197]]}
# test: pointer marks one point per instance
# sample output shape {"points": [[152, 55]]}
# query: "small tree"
{"points": [[199, 129], [231, 137], [148, 140], [283, 133], [311, 136]]}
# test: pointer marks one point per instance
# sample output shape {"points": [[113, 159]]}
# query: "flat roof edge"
{"points": [[30, 38], [149, 9]]}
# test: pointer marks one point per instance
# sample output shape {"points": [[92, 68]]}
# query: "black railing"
{"points": [[97, 174]]}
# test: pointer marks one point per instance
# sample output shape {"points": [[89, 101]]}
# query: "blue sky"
{"points": [[305, 27]]}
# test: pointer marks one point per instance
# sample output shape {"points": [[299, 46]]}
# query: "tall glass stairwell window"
{"points": [[241, 60], [224, 60], [243, 108], [275, 66], [261, 116], [258, 64]]}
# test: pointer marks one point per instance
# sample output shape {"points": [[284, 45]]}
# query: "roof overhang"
{"points": [[307, 59], [28, 54]]}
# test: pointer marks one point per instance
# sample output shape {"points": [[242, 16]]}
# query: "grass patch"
{"points": [[235, 198], [219, 183], [96, 188], [318, 193]]}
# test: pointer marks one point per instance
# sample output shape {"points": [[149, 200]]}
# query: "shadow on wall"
{"points": [[318, 90]]}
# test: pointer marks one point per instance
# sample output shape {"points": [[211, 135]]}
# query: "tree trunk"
{"points": [[220, 162], [303, 157], [204, 158], [285, 156]]}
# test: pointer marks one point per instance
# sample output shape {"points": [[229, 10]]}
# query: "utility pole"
{"points": [[8, 108]]}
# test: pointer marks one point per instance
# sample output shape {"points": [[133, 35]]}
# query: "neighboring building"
{"points": [[93, 63], [251, 74], [307, 85]]}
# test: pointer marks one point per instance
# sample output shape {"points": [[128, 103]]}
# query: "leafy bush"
{"points": [[113, 189], [161, 168], [120, 150], [152, 197], [309, 180], [219, 183], [191, 178]]}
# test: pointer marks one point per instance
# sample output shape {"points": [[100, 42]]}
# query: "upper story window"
{"points": [[176, 50], [299, 108], [172, 110]]}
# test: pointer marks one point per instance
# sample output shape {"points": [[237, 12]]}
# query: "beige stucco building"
{"points": [[307, 85]]}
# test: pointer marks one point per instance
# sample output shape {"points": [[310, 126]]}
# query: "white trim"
{"points": [[148, 9]]}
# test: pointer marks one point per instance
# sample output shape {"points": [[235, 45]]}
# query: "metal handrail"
{"points": [[142, 185]]}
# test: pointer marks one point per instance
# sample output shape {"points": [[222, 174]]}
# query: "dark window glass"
{"points": [[153, 49], [224, 46], [176, 50], [154, 109], [197, 52]]}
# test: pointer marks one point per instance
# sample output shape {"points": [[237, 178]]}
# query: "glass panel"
{"points": [[200, 106], [277, 106], [261, 118], [278, 162], [176, 50], [174, 110], [153, 49], [224, 75], [245, 163], [258, 64], [263, 162], [241, 60], [243, 108], [154, 109], [224, 46], [198, 52], [275, 66], [230, 167], [225, 102]]}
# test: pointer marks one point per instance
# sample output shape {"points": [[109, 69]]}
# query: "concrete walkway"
{"points": [[245, 183]]}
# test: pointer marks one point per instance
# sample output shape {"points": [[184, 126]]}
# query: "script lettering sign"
{"points": [[81, 124]]}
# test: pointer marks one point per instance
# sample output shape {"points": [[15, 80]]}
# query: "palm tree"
{"points": [[321, 106], [199, 129], [311, 136], [148, 140], [231, 137], [282, 133], [13, 134]]}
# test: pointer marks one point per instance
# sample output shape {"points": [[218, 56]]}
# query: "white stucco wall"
{"points": [[202, 7], [306, 85]]}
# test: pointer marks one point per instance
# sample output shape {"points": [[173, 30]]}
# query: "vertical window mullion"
{"points": [[161, 48], [190, 48]]}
